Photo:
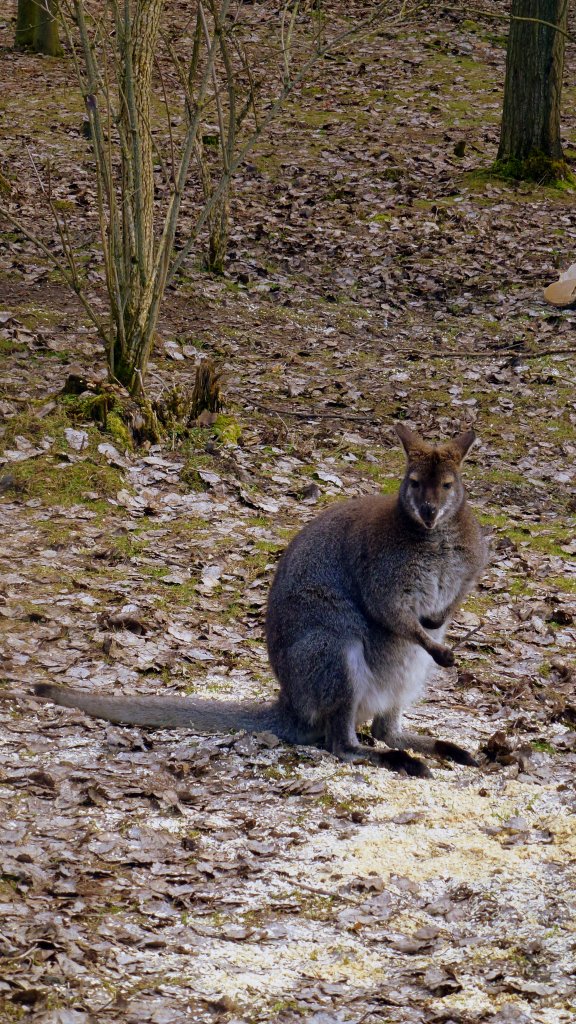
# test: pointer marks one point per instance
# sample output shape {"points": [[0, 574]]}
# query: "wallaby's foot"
{"points": [[400, 761], [389, 729], [452, 752], [442, 656], [393, 760]]}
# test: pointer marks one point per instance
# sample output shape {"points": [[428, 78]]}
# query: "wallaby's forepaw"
{"points": [[443, 656], [432, 623], [400, 761], [46, 690], [452, 752]]}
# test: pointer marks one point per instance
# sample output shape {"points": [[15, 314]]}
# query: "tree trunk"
{"points": [[37, 27], [219, 229], [25, 22], [145, 36], [534, 65], [138, 48]]}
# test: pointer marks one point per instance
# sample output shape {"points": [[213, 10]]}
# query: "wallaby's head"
{"points": [[432, 490]]}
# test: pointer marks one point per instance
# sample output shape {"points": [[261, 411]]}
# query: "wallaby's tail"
{"points": [[170, 712]]}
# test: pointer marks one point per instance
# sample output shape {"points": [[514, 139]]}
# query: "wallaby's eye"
{"points": [[414, 482], [447, 485]]}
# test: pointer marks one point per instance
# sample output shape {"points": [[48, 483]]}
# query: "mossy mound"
{"points": [[536, 167], [57, 473], [130, 422]]}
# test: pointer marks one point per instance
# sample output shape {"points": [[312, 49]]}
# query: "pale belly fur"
{"points": [[399, 681]]}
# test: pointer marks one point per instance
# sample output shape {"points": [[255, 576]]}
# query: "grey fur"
{"points": [[357, 614]]}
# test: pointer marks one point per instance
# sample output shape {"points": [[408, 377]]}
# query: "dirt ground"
{"points": [[373, 275]]}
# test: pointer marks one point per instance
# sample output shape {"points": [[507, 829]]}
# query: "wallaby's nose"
{"points": [[428, 512]]}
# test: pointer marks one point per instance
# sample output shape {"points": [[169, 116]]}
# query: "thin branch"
{"points": [[219, 112], [286, 38], [342, 39], [195, 58], [228, 150], [470, 633], [465, 12], [172, 177], [501, 353], [312, 414], [133, 120], [297, 883], [111, 242], [101, 145], [164, 252], [59, 266], [251, 100], [62, 233]]}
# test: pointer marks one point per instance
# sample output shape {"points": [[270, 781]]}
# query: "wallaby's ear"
{"points": [[464, 442], [411, 441]]}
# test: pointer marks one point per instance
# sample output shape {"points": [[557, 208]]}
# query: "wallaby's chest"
{"points": [[430, 579], [436, 586]]}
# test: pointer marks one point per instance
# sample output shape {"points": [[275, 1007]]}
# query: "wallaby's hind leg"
{"points": [[340, 719], [320, 681], [388, 728], [341, 741]]}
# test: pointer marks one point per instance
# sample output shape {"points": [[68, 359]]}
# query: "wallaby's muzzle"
{"points": [[428, 514]]}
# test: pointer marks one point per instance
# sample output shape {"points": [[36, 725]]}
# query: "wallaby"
{"points": [[356, 617]]}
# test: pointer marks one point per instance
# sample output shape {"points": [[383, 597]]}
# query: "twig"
{"points": [[59, 266], [61, 226], [317, 890], [219, 111], [160, 275], [286, 38], [339, 41], [501, 353], [313, 414], [27, 952], [228, 150], [507, 17], [169, 123], [369, 1013], [137, 264], [132, 114], [467, 636]]}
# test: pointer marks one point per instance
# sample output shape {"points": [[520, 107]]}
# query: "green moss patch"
{"points": [[537, 167], [60, 475]]}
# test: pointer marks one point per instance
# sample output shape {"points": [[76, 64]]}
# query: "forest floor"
{"points": [[373, 275]]}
